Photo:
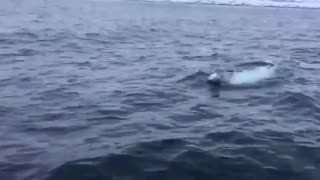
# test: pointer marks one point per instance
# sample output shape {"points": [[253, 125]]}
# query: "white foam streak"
{"points": [[283, 3]]}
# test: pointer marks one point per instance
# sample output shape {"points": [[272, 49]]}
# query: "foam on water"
{"points": [[252, 76]]}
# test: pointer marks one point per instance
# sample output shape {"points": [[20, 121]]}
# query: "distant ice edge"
{"points": [[272, 3]]}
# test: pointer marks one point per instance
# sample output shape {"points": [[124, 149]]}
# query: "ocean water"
{"points": [[117, 90]]}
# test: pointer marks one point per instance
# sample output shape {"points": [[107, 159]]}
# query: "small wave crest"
{"points": [[196, 79], [295, 101]]}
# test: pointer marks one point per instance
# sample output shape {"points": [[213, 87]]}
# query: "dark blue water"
{"points": [[115, 90]]}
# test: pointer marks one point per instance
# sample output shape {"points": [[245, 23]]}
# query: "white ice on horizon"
{"points": [[278, 3]]}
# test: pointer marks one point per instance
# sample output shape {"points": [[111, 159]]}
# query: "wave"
{"points": [[181, 159], [269, 3], [197, 79], [297, 102]]}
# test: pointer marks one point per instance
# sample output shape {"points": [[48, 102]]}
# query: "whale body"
{"points": [[247, 76]]}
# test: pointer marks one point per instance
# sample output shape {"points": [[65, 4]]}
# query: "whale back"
{"points": [[252, 75]]}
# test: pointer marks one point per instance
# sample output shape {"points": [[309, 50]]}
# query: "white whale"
{"points": [[249, 76]]}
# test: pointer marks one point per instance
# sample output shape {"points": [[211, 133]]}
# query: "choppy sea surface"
{"points": [[117, 90]]}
